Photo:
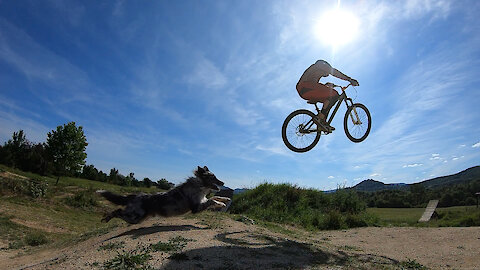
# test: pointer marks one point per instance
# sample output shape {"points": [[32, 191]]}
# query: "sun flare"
{"points": [[337, 27]]}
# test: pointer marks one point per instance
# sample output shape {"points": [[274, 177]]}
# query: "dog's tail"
{"points": [[115, 198]]}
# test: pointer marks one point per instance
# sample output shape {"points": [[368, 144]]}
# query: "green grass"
{"points": [[112, 246], [139, 257], [447, 217], [397, 216], [174, 244], [63, 213], [80, 182], [19, 236], [36, 239], [412, 265], [129, 260], [309, 208]]}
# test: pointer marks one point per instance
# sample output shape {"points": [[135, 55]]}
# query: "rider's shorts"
{"points": [[315, 91]]}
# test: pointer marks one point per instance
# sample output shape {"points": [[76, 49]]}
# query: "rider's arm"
{"points": [[335, 72]]}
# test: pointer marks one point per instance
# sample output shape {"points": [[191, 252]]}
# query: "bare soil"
{"points": [[215, 241]]}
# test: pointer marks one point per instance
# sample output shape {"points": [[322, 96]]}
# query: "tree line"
{"points": [[418, 196], [64, 154]]}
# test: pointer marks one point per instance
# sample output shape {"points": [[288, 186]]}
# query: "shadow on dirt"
{"points": [[244, 250], [135, 233]]}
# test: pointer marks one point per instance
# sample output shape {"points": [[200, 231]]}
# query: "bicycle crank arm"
{"points": [[321, 127]]}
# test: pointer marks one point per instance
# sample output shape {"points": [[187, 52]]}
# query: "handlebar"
{"points": [[341, 87]]}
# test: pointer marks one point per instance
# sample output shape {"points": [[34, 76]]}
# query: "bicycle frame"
{"points": [[343, 98]]}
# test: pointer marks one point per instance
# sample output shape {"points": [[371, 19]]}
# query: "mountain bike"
{"points": [[301, 129]]}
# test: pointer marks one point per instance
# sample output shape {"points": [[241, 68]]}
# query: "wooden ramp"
{"points": [[432, 205]]}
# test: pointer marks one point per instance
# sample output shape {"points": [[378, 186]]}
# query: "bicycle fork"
{"points": [[353, 113]]}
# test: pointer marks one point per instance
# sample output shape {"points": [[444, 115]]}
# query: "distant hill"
{"points": [[467, 175], [373, 185], [458, 178], [239, 190]]}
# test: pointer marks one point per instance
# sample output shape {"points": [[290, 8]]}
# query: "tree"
{"points": [[112, 177], [147, 182], [36, 160], [66, 147], [15, 149], [89, 172], [164, 184]]}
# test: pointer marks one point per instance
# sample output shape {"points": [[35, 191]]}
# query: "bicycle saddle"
{"points": [[313, 101]]}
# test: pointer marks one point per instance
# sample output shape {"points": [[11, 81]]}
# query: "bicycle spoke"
{"points": [[358, 123], [300, 131]]}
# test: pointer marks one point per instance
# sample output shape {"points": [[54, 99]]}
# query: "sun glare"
{"points": [[337, 27]]}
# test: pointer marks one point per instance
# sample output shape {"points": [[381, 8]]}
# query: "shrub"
{"points": [[310, 208], [37, 188], [333, 221], [128, 260], [17, 186], [83, 199], [35, 239], [345, 200], [355, 220]]}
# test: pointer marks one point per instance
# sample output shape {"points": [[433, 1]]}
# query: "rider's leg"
{"points": [[328, 104], [324, 113], [318, 92]]}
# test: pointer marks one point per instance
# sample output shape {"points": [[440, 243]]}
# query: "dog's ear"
{"points": [[200, 170], [206, 169]]}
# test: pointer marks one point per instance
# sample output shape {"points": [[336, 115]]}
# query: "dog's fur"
{"points": [[189, 196]]}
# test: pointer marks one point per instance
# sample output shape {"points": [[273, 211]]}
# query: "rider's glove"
{"points": [[354, 82]]}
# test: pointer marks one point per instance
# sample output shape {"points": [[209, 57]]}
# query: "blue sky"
{"points": [[163, 86]]}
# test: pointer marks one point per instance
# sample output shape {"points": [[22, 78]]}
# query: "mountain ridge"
{"points": [[466, 175]]}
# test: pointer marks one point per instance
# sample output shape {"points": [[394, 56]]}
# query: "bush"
{"points": [[83, 199], [37, 188], [35, 239], [333, 221], [310, 208]]}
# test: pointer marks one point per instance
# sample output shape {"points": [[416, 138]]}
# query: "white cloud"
{"points": [[476, 145], [331, 177], [416, 8], [38, 63], [412, 165], [273, 150], [375, 175], [207, 74]]}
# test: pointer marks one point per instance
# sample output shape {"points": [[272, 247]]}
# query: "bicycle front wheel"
{"points": [[357, 122], [299, 131]]}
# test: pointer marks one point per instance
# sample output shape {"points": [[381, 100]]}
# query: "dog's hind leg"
{"points": [[111, 215], [132, 217]]}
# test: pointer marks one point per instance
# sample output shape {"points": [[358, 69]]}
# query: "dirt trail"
{"points": [[213, 241]]}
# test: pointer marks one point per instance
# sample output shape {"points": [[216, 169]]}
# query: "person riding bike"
{"points": [[309, 87]]}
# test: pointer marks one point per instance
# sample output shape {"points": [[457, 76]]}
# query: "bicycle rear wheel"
{"points": [[299, 131], [357, 122]]}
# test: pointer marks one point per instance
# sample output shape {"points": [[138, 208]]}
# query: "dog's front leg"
{"points": [[221, 199], [208, 204]]}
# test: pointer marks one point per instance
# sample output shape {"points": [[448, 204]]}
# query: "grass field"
{"points": [[449, 216]]}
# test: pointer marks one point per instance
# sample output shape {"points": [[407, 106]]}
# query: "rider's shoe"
{"points": [[324, 126]]}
